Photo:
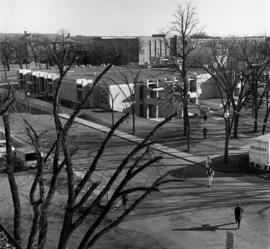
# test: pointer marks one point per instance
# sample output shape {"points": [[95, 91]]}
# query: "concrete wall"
{"points": [[207, 86], [69, 91]]}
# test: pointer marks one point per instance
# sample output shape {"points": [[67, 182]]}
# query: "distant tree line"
{"points": [[27, 48]]}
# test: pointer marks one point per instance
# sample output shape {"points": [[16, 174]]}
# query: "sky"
{"points": [[132, 17]]}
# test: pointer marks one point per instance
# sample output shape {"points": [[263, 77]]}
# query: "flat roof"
{"points": [[265, 137], [119, 74]]}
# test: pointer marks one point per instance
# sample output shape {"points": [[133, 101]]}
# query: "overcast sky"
{"points": [[131, 17]]}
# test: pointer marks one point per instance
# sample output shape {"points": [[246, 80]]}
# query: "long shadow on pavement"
{"points": [[207, 227]]}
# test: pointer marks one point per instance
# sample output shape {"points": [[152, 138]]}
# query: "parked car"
{"points": [[26, 156]]}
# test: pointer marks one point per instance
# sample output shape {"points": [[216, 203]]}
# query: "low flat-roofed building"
{"points": [[153, 93]]}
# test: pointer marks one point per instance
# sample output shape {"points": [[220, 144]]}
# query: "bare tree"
{"points": [[6, 52], [185, 26], [111, 107], [20, 47], [6, 102], [267, 107], [81, 195], [130, 78], [257, 60], [39, 50], [226, 71]]}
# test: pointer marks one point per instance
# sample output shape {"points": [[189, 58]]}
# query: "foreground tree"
{"points": [[82, 197]]}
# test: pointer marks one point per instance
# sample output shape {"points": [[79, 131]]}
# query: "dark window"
{"points": [[50, 86], [42, 85], [153, 94], [193, 85]]}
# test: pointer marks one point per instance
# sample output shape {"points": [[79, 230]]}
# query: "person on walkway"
{"points": [[209, 170], [208, 162], [210, 173], [238, 212], [205, 130], [204, 117]]}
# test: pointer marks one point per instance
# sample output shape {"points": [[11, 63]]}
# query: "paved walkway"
{"points": [[159, 147]]}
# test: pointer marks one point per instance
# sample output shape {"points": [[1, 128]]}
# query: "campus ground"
{"points": [[185, 214]]}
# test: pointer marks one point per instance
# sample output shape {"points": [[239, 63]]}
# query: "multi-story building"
{"points": [[156, 50]]}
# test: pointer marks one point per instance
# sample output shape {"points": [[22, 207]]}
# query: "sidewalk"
{"points": [[159, 147]]}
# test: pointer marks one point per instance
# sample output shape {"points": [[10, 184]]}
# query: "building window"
{"points": [[42, 85], [193, 85], [152, 111], [50, 86], [152, 94]]}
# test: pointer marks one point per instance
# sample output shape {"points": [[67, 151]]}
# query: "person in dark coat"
{"points": [[205, 130], [238, 211], [204, 117]]}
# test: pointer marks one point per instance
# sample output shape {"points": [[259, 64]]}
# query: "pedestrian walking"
{"points": [[208, 162], [204, 117], [205, 130], [209, 170], [238, 212], [210, 173]]}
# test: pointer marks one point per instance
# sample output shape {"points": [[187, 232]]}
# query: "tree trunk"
{"points": [[34, 227], [227, 140], [12, 183], [43, 226], [255, 126], [236, 125], [66, 230], [265, 120], [254, 95], [8, 67], [186, 122], [112, 117], [133, 121]]}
